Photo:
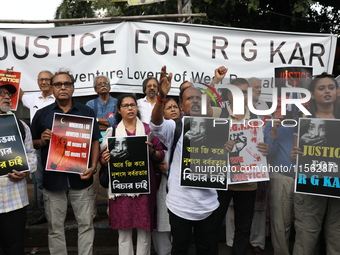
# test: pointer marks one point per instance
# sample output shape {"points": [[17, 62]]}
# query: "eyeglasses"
{"points": [[152, 86], [44, 79], [58, 85], [171, 106], [4, 93], [105, 83], [126, 106]]}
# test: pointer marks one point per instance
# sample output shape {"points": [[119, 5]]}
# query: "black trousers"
{"points": [[182, 229], [244, 202], [12, 231]]}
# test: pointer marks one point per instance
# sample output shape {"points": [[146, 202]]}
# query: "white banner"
{"points": [[129, 51]]}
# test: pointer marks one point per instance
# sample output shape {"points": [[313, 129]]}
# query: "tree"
{"points": [[72, 9]]}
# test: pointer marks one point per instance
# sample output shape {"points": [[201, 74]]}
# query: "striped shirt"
{"points": [[13, 195]]}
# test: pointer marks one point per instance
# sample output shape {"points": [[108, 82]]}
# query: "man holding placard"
{"points": [[13, 186], [61, 186]]}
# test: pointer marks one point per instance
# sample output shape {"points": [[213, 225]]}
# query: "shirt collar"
{"points": [[233, 117]]}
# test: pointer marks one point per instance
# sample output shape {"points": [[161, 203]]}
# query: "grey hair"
{"points": [[45, 71], [252, 79], [99, 76]]}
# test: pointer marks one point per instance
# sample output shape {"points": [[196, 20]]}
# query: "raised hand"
{"points": [[164, 83]]}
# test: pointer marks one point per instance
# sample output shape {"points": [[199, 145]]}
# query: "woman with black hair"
{"points": [[313, 212], [129, 211]]}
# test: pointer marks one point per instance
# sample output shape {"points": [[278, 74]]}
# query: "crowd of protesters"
{"points": [[170, 214]]}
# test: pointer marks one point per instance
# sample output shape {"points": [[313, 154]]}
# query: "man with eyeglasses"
{"points": [[34, 102], [104, 106], [13, 187], [243, 194], [59, 187], [146, 104]]}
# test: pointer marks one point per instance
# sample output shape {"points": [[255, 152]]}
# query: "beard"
{"points": [[152, 95], [5, 108]]}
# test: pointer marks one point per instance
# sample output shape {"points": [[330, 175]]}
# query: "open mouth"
{"points": [[195, 107]]}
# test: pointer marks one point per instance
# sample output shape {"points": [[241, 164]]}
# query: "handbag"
{"points": [[104, 170], [104, 177]]}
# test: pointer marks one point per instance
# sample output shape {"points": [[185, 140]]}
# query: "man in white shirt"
{"points": [[38, 100], [34, 102], [190, 209], [258, 103], [147, 103]]}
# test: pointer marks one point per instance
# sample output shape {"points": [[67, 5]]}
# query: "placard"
{"points": [[317, 171], [11, 77], [247, 164], [12, 150], [70, 145], [129, 165], [204, 157]]}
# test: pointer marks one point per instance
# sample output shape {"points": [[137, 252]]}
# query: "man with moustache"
{"points": [[104, 106], [243, 194], [34, 102], [59, 187], [147, 103], [190, 209], [258, 103], [13, 187]]}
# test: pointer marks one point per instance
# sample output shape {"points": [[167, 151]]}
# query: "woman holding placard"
{"points": [[314, 212], [129, 211]]}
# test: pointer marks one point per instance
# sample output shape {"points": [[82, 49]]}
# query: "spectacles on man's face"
{"points": [[104, 83], [44, 79], [126, 106], [58, 85], [152, 86], [4, 93]]}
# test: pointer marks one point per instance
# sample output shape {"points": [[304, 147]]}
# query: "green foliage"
{"points": [[72, 9]]}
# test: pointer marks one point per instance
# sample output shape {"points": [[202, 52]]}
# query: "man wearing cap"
{"points": [[13, 187], [34, 102]]}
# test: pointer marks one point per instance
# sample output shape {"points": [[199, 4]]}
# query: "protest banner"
{"points": [[12, 150], [247, 164], [129, 165], [10, 77], [70, 145], [204, 157], [191, 52], [317, 171]]}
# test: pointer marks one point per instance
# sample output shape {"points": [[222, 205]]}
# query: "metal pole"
{"points": [[144, 17]]}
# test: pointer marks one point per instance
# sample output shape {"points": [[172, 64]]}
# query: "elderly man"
{"points": [[244, 194], [34, 102], [13, 187], [104, 106], [147, 103], [258, 103], [59, 186]]}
